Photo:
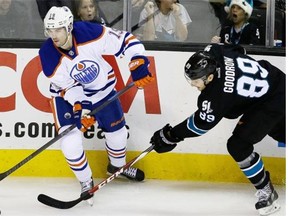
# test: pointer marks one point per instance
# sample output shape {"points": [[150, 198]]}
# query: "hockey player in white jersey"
{"points": [[82, 80]]}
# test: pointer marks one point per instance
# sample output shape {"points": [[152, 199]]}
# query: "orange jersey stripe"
{"points": [[78, 164]]}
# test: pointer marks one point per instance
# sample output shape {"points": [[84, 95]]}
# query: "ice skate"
{"points": [[85, 187], [267, 200], [130, 173]]}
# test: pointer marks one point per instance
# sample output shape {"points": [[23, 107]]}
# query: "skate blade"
{"points": [[90, 201], [269, 209]]}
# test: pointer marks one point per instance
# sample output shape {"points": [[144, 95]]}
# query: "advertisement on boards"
{"points": [[26, 120]]}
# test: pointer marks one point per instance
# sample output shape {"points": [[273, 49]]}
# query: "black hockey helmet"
{"points": [[200, 64]]}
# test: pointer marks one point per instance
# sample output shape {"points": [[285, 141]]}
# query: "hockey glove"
{"points": [[83, 121], [163, 140], [139, 71]]}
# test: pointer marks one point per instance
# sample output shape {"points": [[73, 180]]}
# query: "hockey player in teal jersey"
{"points": [[234, 85]]}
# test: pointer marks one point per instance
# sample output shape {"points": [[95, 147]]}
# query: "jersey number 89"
{"points": [[248, 86]]}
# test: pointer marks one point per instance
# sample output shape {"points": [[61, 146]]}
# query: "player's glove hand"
{"points": [[139, 71], [83, 121], [163, 140]]}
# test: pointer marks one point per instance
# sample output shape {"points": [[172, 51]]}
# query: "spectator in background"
{"points": [[12, 24], [220, 13], [138, 3], [167, 22], [240, 31], [87, 10], [45, 5], [137, 8]]}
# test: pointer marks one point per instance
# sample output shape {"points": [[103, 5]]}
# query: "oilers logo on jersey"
{"points": [[85, 71]]}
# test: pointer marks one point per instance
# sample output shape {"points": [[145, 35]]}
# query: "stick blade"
{"points": [[49, 201], [3, 175]]}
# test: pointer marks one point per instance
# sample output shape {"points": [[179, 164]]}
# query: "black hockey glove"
{"points": [[163, 140]]}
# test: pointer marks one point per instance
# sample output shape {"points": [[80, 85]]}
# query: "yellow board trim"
{"points": [[167, 166]]}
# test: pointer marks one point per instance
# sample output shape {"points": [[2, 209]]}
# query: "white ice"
{"points": [[18, 196]]}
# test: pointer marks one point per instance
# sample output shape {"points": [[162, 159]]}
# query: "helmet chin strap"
{"points": [[68, 37], [205, 80]]}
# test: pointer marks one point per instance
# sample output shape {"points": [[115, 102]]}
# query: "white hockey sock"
{"points": [[72, 148], [116, 145]]}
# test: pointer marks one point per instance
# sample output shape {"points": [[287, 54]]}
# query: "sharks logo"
{"points": [[85, 71]]}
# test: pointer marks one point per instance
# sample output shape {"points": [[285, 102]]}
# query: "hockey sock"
{"points": [[71, 146], [116, 144], [254, 170]]}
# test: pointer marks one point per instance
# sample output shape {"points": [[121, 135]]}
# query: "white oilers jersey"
{"points": [[83, 68]]}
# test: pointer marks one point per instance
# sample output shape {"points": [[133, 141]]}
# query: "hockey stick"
{"points": [[59, 136], [49, 201]]}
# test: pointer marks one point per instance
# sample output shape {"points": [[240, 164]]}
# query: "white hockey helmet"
{"points": [[58, 17], [246, 5]]}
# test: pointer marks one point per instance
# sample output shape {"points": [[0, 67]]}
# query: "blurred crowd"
{"points": [[197, 21]]}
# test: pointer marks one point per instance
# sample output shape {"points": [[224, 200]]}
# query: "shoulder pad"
{"points": [[87, 31], [50, 57]]}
